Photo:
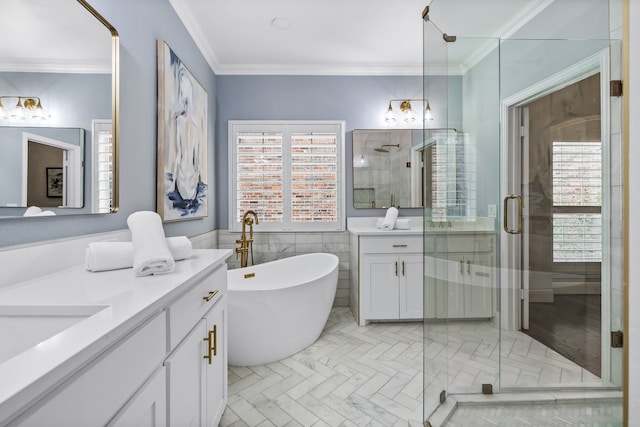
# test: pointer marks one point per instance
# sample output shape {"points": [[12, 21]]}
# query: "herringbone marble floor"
{"points": [[604, 414], [373, 375]]}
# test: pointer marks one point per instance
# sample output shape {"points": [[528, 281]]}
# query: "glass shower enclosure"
{"points": [[523, 200]]}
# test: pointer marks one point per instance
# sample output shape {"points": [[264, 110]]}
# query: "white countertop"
{"points": [[366, 226], [127, 300]]}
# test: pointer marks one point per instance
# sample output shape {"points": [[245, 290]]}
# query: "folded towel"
{"points": [[151, 253], [31, 211], [402, 224], [103, 256], [36, 211], [389, 219]]}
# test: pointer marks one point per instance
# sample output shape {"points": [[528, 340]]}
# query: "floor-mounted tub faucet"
{"points": [[246, 245]]}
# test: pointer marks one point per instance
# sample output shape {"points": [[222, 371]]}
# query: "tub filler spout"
{"points": [[246, 244]]}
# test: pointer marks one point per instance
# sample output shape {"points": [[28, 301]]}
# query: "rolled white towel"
{"points": [[36, 211], [389, 219], [402, 224], [379, 222], [103, 256], [151, 253], [31, 211]]}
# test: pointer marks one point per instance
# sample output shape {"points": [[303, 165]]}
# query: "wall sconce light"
{"points": [[27, 107], [406, 111]]}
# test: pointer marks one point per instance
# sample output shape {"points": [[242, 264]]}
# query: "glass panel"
{"points": [[523, 206], [554, 93], [469, 243], [435, 322]]}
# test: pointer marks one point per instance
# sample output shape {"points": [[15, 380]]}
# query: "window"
{"points": [[451, 186], [290, 173], [577, 201], [102, 181]]}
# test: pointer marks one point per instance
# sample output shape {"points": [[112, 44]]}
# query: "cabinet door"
{"points": [[454, 287], [186, 373], [478, 292], [148, 408], [380, 287], [431, 264], [216, 369], [411, 286]]}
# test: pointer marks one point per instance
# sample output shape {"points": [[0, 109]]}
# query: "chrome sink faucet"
{"points": [[246, 244]]}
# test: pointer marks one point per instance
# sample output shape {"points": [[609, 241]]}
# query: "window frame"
{"points": [[287, 127]]}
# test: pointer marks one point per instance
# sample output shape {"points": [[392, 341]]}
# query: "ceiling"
{"points": [[340, 37]]}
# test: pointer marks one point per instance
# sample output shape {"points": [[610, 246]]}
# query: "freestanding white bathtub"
{"points": [[281, 309]]}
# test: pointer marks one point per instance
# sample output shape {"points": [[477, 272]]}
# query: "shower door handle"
{"points": [[505, 215]]}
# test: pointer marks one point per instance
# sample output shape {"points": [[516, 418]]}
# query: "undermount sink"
{"points": [[23, 327]]}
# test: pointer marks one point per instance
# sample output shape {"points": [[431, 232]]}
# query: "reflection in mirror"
{"points": [[42, 167], [382, 168], [70, 71], [394, 167]]}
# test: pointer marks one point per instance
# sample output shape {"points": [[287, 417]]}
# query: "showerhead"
{"points": [[383, 150]]}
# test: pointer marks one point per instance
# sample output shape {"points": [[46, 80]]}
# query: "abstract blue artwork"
{"points": [[182, 140]]}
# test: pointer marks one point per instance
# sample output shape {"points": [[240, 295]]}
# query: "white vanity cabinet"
{"points": [[95, 394], [197, 364], [197, 372], [461, 280], [389, 277], [155, 356]]}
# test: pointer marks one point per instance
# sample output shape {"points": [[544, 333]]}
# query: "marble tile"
{"points": [[374, 376]]}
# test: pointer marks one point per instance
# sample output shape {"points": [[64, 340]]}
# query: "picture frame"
{"points": [[55, 182], [182, 140]]}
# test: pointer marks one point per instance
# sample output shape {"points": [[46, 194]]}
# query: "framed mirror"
{"points": [[57, 81], [385, 173], [413, 168]]}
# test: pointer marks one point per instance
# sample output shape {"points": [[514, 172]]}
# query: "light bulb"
{"points": [[362, 159], [389, 116], [427, 113], [18, 111]]}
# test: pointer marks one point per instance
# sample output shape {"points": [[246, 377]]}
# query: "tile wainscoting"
{"points": [[272, 246]]}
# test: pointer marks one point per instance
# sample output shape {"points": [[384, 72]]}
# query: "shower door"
{"points": [[559, 232], [525, 203]]}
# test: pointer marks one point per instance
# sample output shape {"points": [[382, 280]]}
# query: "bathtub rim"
{"points": [[235, 279]]}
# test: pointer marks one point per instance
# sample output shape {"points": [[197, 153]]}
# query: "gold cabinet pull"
{"points": [[461, 266], [400, 246], [396, 268], [208, 356], [210, 296], [214, 331], [403, 268], [468, 267]]}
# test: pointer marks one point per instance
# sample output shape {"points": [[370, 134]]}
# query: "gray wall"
{"points": [[360, 101], [139, 24]]}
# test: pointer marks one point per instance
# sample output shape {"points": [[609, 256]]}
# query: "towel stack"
{"points": [[149, 252], [392, 222], [36, 211]]}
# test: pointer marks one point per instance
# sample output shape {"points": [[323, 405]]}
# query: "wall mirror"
{"points": [[58, 109], [382, 168], [412, 168]]}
